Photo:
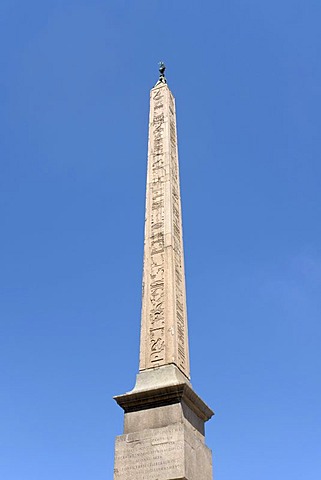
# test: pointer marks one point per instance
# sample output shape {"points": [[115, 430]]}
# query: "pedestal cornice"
{"points": [[167, 395]]}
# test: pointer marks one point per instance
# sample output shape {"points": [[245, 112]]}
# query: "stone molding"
{"points": [[166, 395]]}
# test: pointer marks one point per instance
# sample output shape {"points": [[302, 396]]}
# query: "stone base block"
{"points": [[175, 452]]}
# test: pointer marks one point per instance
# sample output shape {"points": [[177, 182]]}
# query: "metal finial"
{"points": [[162, 68]]}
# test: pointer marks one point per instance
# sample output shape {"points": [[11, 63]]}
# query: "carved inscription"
{"points": [[159, 457], [178, 246], [157, 270], [164, 305]]}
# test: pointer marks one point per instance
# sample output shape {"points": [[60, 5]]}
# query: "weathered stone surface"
{"points": [[168, 453], [163, 417], [159, 395], [158, 377], [164, 338]]}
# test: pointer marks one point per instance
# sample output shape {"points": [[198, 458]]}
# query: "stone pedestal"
{"points": [[164, 437]]}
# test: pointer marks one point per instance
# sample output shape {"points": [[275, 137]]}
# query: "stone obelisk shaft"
{"points": [[164, 338]]}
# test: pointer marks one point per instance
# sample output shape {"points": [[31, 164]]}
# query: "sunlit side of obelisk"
{"points": [[164, 437]]}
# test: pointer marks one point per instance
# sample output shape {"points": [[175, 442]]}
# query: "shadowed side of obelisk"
{"points": [[164, 437]]}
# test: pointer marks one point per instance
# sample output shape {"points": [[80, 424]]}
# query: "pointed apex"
{"points": [[162, 68]]}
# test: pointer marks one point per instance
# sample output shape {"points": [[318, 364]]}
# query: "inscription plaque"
{"points": [[153, 455]]}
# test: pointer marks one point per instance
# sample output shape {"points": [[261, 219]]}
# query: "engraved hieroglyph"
{"points": [[164, 338]]}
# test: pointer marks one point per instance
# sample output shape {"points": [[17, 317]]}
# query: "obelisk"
{"points": [[164, 436]]}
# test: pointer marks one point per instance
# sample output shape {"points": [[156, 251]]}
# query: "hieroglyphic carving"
{"points": [[180, 307], [164, 305], [157, 286]]}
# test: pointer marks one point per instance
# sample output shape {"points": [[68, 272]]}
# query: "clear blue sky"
{"points": [[74, 89]]}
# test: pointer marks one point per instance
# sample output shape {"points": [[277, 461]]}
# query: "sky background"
{"points": [[74, 90]]}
